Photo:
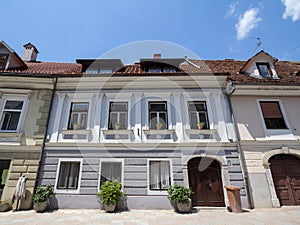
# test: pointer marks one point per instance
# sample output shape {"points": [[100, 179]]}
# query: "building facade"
{"points": [[138, 124]]}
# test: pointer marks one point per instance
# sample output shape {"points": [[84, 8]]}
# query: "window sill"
{"points": [[201, 131], [75, 131], [163, 131], [10, 136], [120, 132]]}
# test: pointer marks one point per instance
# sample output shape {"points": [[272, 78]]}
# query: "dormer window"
{"points": [[264, 69], [154, 70], [3, 60], [169, 70]]}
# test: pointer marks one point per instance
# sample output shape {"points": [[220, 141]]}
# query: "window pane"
{"points": [[165, 175], [112, 120], [80, 107], [14, 105], [10, 120], [118, 107], [63, 175], [154, 175], [157, 106], [74, 173], [123, 120], [105, 172], [116, 172], [153, 120], [193, 120], [163, 119]]}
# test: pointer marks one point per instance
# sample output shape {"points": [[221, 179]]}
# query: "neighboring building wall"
{"points": [[257, 143], [23, 148]]}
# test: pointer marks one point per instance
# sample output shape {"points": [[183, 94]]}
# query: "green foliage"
{"points": [[42, 194], [180, 194], [110, 192]]}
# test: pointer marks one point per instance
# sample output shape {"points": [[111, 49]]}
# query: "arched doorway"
{"points": [[286, 177], [205, 180]]}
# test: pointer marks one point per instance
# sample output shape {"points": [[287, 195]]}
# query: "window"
{"points": [[3, 60], [198, 114], [264, 69], [158, 115], [169, 70], [117, 116], [105, 70], [11, 115], [78, 116], [110, 171], [154, 70], [68, 175], [272, 115], [160, 178]]}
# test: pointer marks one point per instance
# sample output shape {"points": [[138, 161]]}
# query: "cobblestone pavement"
{"points": [[282, 216]]}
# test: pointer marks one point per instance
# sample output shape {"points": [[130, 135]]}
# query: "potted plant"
{"points": [[109, 195], [201, 125], [117, 126], [181, 196], [40, 198], [159, 126], [5, 206], [75, 126]]}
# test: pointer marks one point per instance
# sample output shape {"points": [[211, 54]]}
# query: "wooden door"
{"points": [[286, 177], [205, 182]]}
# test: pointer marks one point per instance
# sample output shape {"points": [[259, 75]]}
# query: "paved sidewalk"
{"points": [[284, 215]]}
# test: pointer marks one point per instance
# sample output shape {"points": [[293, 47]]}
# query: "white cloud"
{"points": [[247, 22], [231, 10], [292, 9]]}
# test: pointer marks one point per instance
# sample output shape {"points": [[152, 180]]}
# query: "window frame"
{"points": [[207, 126], [110, 160], [282, 117], [276, 134], [22, 111], [259, 64], [58, 172], [158, 191], [118, 115], [157, 114], [69, 125]]}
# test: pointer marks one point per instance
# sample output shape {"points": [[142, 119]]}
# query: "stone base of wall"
{"points": [[19, 167]]}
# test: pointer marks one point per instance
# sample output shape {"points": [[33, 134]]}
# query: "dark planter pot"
{"points": [[5, 207], [40, 207], [110, 207]]}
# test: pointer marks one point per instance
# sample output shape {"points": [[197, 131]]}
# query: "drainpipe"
{"points": [[46, 130], [230, 88]]}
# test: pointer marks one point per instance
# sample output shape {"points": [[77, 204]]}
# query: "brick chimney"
{"points": [[157, 56], [30, 53]]}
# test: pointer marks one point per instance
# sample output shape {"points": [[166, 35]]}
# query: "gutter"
{"points": [[230, 88], [46, 130]]}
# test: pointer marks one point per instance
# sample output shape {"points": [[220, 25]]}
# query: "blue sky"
{"points": [[64, 30]]}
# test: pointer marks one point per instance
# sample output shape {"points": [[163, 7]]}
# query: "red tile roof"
{"points": [[50, 68]]}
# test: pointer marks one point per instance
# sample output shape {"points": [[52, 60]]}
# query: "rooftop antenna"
{"points": [[258, 44]]}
